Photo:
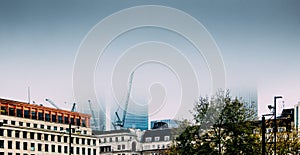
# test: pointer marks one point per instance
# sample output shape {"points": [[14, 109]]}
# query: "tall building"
{"points": [[248, 95], [297, 115], [170, 123], [28, 129], [137, 117]]}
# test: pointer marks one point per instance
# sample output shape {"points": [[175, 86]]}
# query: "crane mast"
{"points": [[52, 103], [120, 122], [92, 112]]}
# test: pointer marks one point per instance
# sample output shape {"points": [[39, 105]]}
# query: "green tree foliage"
{"points": [[222, 126], [287, 142]]}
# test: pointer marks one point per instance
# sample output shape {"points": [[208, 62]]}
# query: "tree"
{"points": [[222, 126]]}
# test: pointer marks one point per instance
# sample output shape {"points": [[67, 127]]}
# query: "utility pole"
{"points": [[263, 131], [70, 137], [275, 122]]}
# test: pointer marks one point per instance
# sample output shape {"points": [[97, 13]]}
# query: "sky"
{"points": [[258, 42]]}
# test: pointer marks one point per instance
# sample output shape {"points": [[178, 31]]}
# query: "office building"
{"points": [[30, 129]]}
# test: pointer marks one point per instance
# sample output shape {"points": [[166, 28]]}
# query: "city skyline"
{"points": [[259, 43]]}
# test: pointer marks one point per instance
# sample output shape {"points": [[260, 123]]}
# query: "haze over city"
{"points": [[258, 41]]}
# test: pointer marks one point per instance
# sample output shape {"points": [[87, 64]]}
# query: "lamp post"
{"points": [[263, 129], [275, 120], [70, 136]]}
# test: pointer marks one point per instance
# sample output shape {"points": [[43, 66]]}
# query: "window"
{"points": [[24, 145], [83, 150], [66, 149], [10, 144], [77, 140], [28, 124], [32, 147], [110, 139], [77, 150], [83, 123], [116, 139], [41, 116], [1, 132], [24, 134], [122, 139], [53, 138], [65, 139], [59, 149], [156, 139], [4, 121], [52, 148], [13, 122], [33, 114], [148, 139], [39, 147], [77, 121], [47, 117], [55, 128], [167, 138], [88, 142], [35, 125], [66, 120], [83, 141], [48, 127], [72, 121], [94, 142], [58, 138], [19, 113], [46, 147], [84, 132], [17, 134], [11, 112], [17, 145], [20, 123], [60, 119], [123, 147], [31, 135], [89, 150], [3, 110], [94, 153], [1, 143], [26, 114], [9, 133], [46, 136], [119, 147], [42, 126], [39, 136], [53, 118]]}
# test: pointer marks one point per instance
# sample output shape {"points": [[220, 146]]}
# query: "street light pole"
{"points": [[275, 122], [70, 136], [263, 129]]}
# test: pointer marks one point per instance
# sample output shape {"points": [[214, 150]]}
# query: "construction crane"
{"points": [[73, 107], [52, 103], [92, 112], [120, 122]]}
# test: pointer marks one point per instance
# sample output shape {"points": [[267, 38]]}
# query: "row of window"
{"points": [[46, 137], [47, 148], [41, 126], [43, 116], [2, 153], [157, 139], [147, 147], [115, 139]]}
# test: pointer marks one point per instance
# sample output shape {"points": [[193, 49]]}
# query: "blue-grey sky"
{"points": [[259, 42]]}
